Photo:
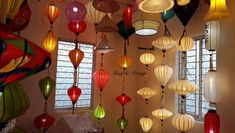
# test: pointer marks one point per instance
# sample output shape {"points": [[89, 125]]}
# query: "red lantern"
{"points": [[44, 121], [52, 12], [127, 16], [76, 57], [123, 99], [77, 27], [101, 78], [74, 93], [212, 122]]}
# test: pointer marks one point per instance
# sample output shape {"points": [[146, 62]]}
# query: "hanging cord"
{"points": [[211, 62], [183, 34], [125, 48], [123, 81], [100, 97], [75, 77], [182, 106], [183, 67], [101, 59], [45, 108], [167, 32]]}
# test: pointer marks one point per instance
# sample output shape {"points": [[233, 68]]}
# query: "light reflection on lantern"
{"points": [[127, 16], [146, 92], [146, 123], [212, 122], [99, 112], [52, 12], [125, 61], [123, 99], [162, 113], [76, 56], [122, 123], [74, 93], [101, 78], [77, 27], [183, 122], [44, 121], [164, 43], [147, 58], [50, 41]]}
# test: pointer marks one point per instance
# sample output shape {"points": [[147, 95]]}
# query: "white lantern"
{"points": [[104, 46], [210, 89], [163, 74], [146, 27], [183, 122], [155, 6], [212, 35], [147, 58], [164, 43], [146, 123], [146, 92], [183, 2], [162, 113], [186, 44]]}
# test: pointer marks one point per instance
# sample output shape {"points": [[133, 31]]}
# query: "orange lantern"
{"points": [[125, 61], [50, 41], [101, 78], [76, 57], [52, 12]]}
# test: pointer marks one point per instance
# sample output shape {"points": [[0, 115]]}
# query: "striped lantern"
{"points": [[183, 122], [162, 113], [163, 74], [146, 92], [146, 123], [147, 58], [164, 43], [186, 44]]}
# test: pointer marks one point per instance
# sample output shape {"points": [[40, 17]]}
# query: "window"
{"points": [[64, 75], [197, 64]]}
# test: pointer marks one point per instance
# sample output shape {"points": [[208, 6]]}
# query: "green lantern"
{"points": [[46, 86], [122, 123], [99, 112], [13, 102]]}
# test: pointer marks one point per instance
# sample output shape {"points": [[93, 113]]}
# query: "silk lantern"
{"points": [[50, 41], [75, 11], [44, 121], [123, 99], [155, 6], [122, 123], [106, 6], [127, 16], [146, 27], [183, 122], [210, 87], [212, 122], [146, 93], [162, 113], [76, 56], [125, 61], [212, 35], [182, 2], [77, 27], [168, 14], [46, 86], [147, 58], [52, 12], [74, 93], [146, 123], [186, 43], [218, 10], [99, 111], [163, 74], [164, 43], [101, 78]]}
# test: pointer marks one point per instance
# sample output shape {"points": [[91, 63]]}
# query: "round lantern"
{"points": [[183, 87], [99, 112], [153, 6], [163, 74], [50, 41], [123, 99], [147, 58], [74, 93], [146, 27], [212, 35], [44, 121], [183, 2], [77, 27], [146, 123], [122, 123], [75, 11], [46, 86], [186, 44], [101, 78], [210, 86], [52, 12], [183, 122], [162, 113], [76, 57], [164, 43], [212, 122], [125, 61], [146, 92]]}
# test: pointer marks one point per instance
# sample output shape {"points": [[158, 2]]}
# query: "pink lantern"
{"points": [[101, 78], [75, 11]]}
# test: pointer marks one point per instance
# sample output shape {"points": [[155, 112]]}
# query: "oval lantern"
{"points": [[44, 121], [75, 11], [52, 12], [146, 123], [212, 122], [147, 58], [127, 16], [122, 123], [46, 86], [162, 113], [186, 44], [101, 78], [146, 93], [183, 122], [210, 86], [125, 61], [50, 42], [164, 43], [123, 99], [77, 27], [76, 57], [99, 112], [74, 93], [163, 74]]}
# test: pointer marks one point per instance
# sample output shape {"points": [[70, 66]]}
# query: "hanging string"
{"points": [[183, 34], [211, 62], [75, 77], [100, 97], [125, 49], [101, 59], [45, 108], [123, 81]]}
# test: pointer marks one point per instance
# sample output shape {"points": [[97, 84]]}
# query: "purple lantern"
{"points": [[75, 11]]}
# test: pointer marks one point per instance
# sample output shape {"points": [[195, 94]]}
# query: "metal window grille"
{"points": [[197, 64], [64, 75]]}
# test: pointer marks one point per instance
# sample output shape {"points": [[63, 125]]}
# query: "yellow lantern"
{"points": [[146, 123], [50, 42], [164, 43], [186, 44], [155, 6], [125, 61], [146, 92], [183, 2], [162, 113], [183, 122], [218, 10], [163, 74], [183, 87], [147, 58]]}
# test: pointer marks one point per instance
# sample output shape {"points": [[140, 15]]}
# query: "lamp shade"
{"points": [[162, 113], [75, 11], [182, 2], [212, 35], [106, 6], [44, 121], [146, 27], [210, 86], [122, 123], [123, 99], [183, 87], [183, 122], [104, 46], [74, 93], [46, 85], [164, 43], [76, 56], [155, 6], [212, 122], [163, 74], [146, 123], [106, 24], [99, 111], [50, 41], [52, 12], [77, 27], [125, 61], [101, 78], [127, 16], [147, 58], [218, 10], [146, 92], [186, 44]]}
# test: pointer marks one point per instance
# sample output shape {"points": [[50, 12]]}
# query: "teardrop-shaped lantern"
{"points": [[163, 74], [123, 99], [76, 57], [183, 87], [212, 122], [77, 27], [183, 2], [147, 58], [146, 92], [164, 43], [183, 122], [101, 78], [50, 41], [122, 123], [127, 16], [99, 112], [52, 12], [44, 121], [162, 113], [104, 46], [186, 43], [46, 86], [146, 123], [125, 61], [74, 93]]}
